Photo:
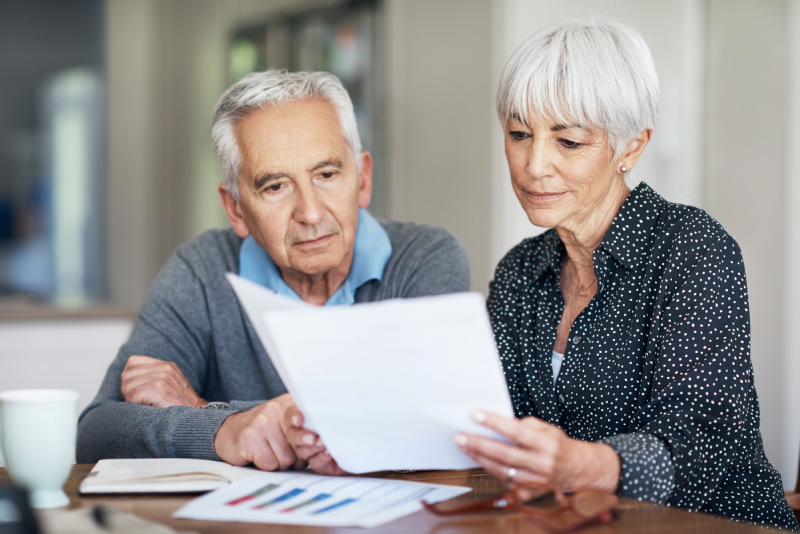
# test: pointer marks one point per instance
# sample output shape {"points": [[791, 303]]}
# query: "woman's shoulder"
{"points": [[527, 259], [685, 226]]}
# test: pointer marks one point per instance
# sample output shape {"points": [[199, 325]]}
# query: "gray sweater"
{"points": [[191, 317]]}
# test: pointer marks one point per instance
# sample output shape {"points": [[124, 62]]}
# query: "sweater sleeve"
{"points": [[173, 326], [689, 431]]}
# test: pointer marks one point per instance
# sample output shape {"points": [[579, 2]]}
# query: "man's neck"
{"points": [[318, 288]]}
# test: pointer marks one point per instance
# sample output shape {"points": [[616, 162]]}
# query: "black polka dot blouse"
{"points": [[657, 365]]}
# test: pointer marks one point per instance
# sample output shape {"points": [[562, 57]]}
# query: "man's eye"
{"points": [[518, 136], [275, 187], [327, 175], [566, 143]]}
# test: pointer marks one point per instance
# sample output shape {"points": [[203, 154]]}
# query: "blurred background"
{"points": [[106, 161]]}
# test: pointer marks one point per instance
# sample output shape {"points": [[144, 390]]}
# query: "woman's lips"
{"points": [[543, 198]]}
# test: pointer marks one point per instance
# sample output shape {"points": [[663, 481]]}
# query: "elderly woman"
{"points": [[624, 331]]}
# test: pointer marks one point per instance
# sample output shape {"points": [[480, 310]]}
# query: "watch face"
{"points": [[216, 406]]}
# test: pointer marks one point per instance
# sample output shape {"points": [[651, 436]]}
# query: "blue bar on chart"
{"points": [[285, 497], [335, 506]]}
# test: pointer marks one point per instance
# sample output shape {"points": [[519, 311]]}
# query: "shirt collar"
{"points": [[371, 253], [629, 233], [625, 238]]}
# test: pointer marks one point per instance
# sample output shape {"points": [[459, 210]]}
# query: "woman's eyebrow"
{"points": [[559, 127]]}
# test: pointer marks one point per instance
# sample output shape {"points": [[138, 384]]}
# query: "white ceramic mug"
{"points": [[38, 441]]}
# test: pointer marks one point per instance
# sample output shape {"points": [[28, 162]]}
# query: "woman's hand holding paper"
{"points": [[308, 446], [541, 453]]}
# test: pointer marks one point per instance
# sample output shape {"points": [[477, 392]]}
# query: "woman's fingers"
{"points": [[527, 432], [506, 455], [500, 472]]}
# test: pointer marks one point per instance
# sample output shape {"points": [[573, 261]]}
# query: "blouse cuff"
{"points": [[646, 470]]}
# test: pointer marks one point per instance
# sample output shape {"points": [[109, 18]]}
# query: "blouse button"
{"points": [[561, 399], [601, 259], [576, 340]]}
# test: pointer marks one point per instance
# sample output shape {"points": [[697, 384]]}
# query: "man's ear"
{"points": [[234, 212], [365, 180], [635, 148]]}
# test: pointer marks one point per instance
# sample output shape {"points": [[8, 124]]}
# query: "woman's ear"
{"points": [[234, 212], [634, 149]]}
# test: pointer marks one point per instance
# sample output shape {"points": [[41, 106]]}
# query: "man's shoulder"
{"points": [[214, 251], [410, 236]]}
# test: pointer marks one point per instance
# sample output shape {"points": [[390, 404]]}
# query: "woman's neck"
{"points": [[584, 234]]}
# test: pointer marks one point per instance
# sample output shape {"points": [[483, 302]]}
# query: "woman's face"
{"points": [[561, 173]]}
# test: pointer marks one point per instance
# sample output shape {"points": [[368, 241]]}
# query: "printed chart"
{"points": [[306, 499]]}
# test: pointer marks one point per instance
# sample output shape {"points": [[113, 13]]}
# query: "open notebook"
{"points": [[161, 475]]}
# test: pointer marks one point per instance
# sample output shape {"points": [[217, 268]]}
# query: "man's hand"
{"points": [[308, 446], [154, 382], [258, 436]]}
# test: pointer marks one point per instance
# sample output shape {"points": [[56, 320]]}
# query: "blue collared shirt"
{"points": [[371, 253]]}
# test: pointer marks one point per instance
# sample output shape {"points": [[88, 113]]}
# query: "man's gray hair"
{"points": [[275, 87], [590, 72]]}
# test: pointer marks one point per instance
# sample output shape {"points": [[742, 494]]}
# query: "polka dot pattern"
{"points": [[657, 365]]}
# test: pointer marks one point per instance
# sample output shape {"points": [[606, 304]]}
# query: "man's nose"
{"points": [[540, 159], [309, 208]]}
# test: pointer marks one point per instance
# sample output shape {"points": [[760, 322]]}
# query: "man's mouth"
{"points": [[316, 242]]}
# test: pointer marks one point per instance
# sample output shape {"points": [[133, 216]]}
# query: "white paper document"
{"points": [[388, 384], [161, 475], [293, 498]]}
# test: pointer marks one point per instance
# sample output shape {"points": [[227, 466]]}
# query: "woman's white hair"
{"points": [[591, 72], [275, 87]]}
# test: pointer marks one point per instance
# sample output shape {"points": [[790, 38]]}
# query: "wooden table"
{"points": [[632, 516]]}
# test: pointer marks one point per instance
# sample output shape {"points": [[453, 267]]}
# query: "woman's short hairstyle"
{"points": [[275, 87], [591, 72]]}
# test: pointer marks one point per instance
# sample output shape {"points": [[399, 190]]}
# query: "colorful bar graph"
{"points": [[320, 497], [285, 497], [257, 493], [335, 506]]}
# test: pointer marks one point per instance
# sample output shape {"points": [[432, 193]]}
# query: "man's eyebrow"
{"points": [[264, 178], [327, 163]]}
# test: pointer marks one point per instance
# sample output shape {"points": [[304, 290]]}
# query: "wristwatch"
{"points": [[217, 406]]}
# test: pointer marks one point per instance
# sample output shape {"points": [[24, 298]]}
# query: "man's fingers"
{"points": [[294, 417], [323, 464]]}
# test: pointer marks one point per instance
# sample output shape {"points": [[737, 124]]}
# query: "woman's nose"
{"points": [[540, 164]]}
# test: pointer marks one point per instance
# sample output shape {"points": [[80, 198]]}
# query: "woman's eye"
{"points": [[566, 143], [518, 136]]}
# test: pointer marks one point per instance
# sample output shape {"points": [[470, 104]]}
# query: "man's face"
{"points": [[299, 186]]}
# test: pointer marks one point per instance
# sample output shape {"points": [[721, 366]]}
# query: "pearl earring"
{"points": [[623, 169]]}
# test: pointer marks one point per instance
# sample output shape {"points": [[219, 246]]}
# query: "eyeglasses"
{"points": [[545, 505]]}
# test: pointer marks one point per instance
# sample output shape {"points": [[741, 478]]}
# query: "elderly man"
{"points": [[193, 381]]}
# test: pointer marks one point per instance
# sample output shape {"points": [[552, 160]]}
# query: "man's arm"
{"points": [[173, 327], [161, 372]]}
